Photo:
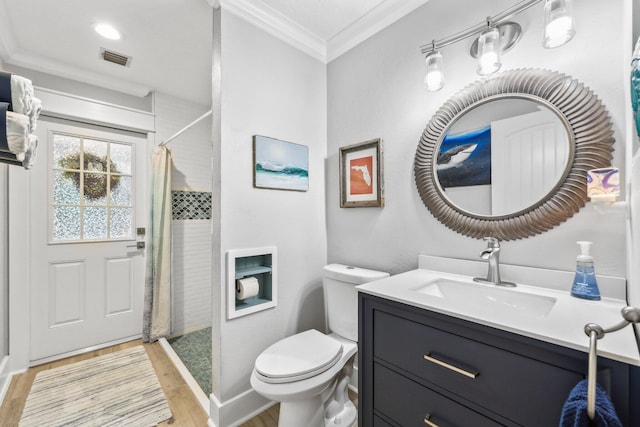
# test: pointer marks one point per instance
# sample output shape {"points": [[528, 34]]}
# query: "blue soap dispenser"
{"points": [[584, 282]]}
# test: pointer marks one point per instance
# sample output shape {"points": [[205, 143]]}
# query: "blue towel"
{"points": [[574, 411]]}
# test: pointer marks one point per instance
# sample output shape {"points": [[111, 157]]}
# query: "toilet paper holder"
{"points": [[251, 280]]}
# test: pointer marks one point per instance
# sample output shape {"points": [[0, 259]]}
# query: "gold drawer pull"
{"points": [[427, 421], [430, 358]]}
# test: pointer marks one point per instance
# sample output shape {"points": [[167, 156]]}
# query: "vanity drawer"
{"points": [[408, 403], [506, 383], [379, 422]]}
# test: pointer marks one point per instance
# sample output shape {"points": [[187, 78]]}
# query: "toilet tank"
{"points": [[341, 297]]}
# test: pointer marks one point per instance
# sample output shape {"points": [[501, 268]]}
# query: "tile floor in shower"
{"points": [[194, 349]]}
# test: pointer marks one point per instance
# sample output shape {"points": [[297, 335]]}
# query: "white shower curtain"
{"points": [[157, 308]]}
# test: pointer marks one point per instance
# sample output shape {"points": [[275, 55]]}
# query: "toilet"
{"points": [[308, 373]]}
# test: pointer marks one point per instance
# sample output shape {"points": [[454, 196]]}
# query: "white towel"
{"points": [[21, 95], [34, 113], [30, 154], [17, 134]]}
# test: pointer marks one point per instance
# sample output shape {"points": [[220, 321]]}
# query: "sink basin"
{"points": [[472, 297]]}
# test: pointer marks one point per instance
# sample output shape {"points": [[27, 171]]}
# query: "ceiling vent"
{"points": [[115, 57]]}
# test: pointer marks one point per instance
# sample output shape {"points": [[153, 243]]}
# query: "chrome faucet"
{"points": [[492, 255]]}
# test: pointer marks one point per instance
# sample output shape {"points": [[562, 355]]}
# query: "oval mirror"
{"points": [[507, 157]]}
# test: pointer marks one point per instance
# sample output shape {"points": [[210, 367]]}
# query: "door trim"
{"points": [[83, 110]]}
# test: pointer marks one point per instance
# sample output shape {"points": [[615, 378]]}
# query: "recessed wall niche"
{"points": [[251, 280]]}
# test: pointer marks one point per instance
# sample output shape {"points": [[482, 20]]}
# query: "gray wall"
{"points": [[376, 90], [82, 89], [266, 88], [4, 262]]}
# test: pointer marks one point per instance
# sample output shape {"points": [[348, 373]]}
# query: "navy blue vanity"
{"points": [[437, 348], [500, 378]]}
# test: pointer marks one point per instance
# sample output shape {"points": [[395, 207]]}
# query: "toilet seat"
{"points": [[298, 357]]}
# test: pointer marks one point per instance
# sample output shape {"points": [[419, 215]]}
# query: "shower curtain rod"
{"points": [[184, 129]]}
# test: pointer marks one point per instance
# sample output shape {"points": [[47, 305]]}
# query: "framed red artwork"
{"points": [[361, 178]]}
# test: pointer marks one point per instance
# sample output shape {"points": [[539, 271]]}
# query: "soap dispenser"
{"points": [[584, 282]]}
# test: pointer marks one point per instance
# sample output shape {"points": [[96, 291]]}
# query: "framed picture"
{"points": [[464, 159], [361, 175], [279, 164]]}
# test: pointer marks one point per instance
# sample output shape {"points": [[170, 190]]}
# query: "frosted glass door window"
{"points": [[92, 191]]}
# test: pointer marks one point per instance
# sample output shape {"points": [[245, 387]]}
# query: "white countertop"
{"points": [[563, 325]]}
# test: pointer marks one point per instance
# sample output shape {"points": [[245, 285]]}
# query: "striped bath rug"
{"points": [[117, 389]]}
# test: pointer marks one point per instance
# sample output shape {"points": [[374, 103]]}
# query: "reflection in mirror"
{"points": [[502, 156]]}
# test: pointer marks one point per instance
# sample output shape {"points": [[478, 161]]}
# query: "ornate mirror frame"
{"points": [[590, 133]]}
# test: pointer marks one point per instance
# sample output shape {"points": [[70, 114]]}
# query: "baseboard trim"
{"points": [[238, 409], [186, 375]]}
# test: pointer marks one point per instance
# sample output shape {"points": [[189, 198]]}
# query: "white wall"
{"points": [[4, 256], [376, 90], [191, 239], [268, 88]]}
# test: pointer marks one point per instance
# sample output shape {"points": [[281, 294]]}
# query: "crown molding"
{"points": [[45, 65], [273, 22], [383, 15]]}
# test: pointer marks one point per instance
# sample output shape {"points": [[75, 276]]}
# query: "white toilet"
{"points": [[308, 373]]}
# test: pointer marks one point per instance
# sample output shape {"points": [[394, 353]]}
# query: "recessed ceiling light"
{"points": [[108, 31]]}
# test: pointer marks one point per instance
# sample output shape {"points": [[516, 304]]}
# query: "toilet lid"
{"points": [[298, 357]]}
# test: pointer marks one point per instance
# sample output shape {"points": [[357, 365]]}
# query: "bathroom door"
{"points": [[87, 198], [528, 157]]}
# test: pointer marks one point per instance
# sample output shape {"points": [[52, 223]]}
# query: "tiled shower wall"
{"points": [[191, 224]]}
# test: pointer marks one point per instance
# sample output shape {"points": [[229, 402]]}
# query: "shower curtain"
{"points": [[157, 295]]}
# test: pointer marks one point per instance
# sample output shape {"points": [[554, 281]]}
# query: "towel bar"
{"points": [[595, 332]]}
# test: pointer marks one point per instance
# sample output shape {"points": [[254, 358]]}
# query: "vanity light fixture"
{"points": [[501, 36], [489, 50], [558, 23], [434, 79]]}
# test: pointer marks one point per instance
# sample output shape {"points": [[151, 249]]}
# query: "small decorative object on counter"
{"points": [[603, 184]]}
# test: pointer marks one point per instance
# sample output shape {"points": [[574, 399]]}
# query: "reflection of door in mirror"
{"points": [[529, 154], [520, 153]]}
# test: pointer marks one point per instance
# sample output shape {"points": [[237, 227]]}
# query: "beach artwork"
{"points": [[280, 165]]}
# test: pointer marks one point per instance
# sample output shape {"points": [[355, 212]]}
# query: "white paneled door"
{"points": [[87, 201], [529, 156]]}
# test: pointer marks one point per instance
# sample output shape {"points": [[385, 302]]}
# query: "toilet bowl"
{"points": [[308, 373]]}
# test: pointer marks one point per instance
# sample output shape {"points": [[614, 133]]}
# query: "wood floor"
{"points": [[184, 406]]}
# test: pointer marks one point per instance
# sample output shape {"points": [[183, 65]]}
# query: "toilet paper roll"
{"points": [[247, 288]]}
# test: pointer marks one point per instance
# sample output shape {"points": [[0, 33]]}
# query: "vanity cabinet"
{"points": [[422, 368]]}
